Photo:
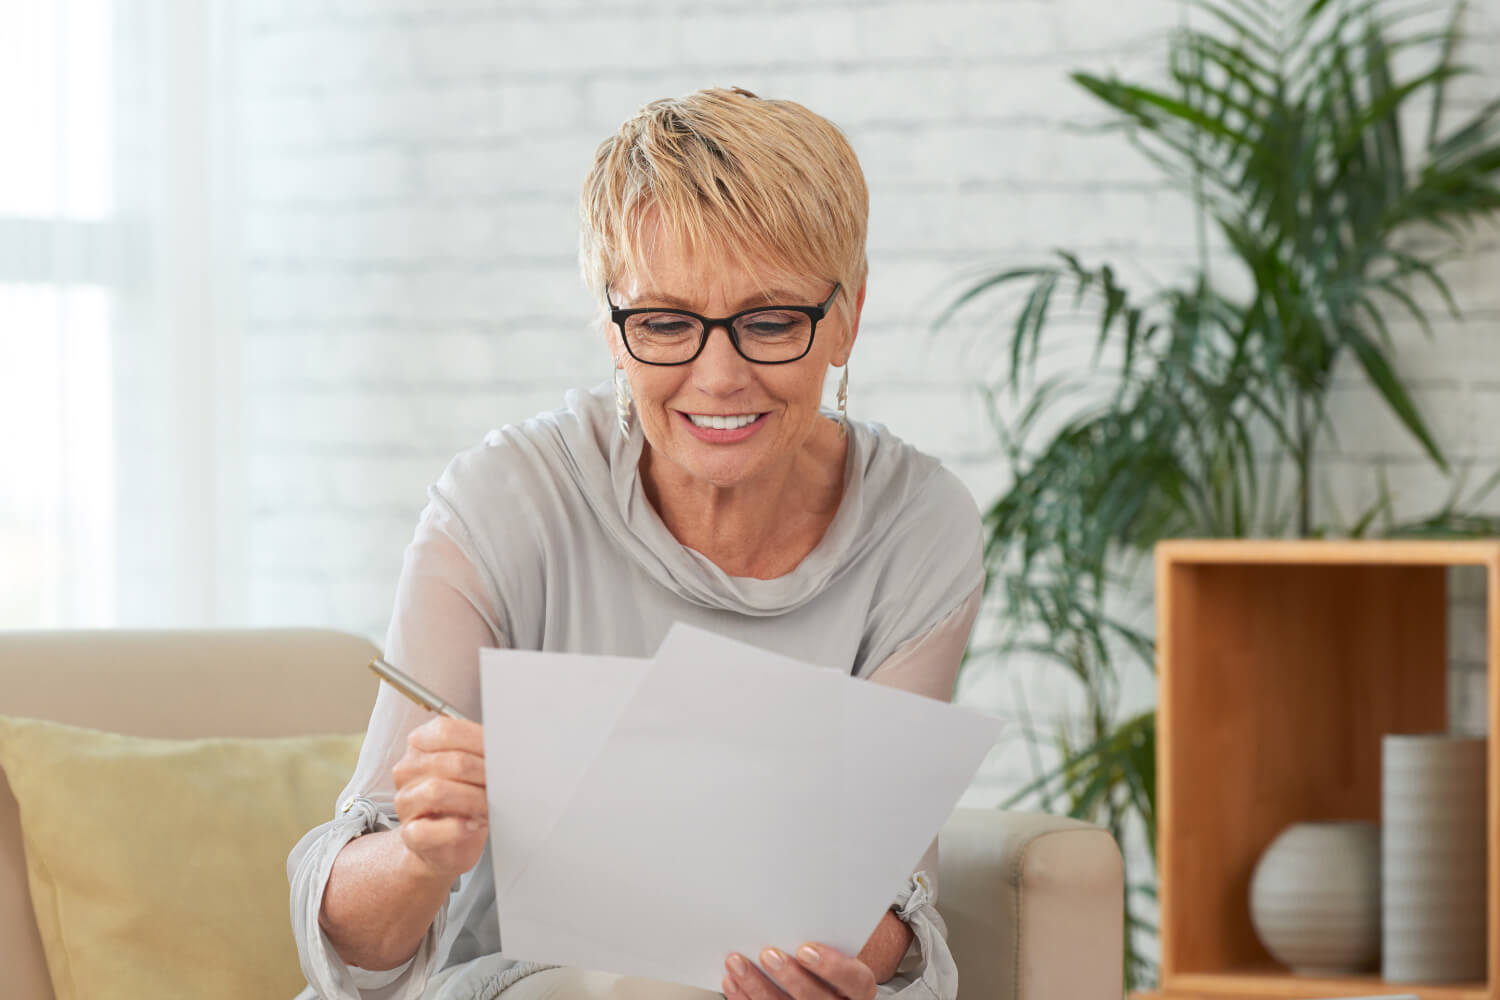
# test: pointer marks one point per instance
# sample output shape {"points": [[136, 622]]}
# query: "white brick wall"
{"points": [[411, 168]]}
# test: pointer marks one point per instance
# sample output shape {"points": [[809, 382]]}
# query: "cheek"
{"points": [[808, 391], [650, 387]]}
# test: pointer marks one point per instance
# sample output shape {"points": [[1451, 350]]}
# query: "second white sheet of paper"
{"points": [[648, 817]]}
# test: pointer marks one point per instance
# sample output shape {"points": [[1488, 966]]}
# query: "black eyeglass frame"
{"points": [[814, 313]]}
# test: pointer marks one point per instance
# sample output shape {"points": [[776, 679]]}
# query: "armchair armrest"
{"points": [[1034, 906]]}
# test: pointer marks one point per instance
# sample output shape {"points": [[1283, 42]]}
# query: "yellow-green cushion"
{"points": [[158, 867]]}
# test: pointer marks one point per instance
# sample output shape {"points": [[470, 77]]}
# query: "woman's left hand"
{"points": [[814, 972]]}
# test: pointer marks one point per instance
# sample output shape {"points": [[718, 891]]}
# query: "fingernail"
{"points": [[737, 965], [772, 958], [808, 954]]}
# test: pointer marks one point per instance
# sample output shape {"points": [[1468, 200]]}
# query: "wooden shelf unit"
{"points": [[1281, 664]]}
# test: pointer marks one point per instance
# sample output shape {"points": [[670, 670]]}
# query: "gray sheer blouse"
{"points": [[542, 538]]}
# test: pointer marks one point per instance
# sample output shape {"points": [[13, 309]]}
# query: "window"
{"points": [[57, 234]]}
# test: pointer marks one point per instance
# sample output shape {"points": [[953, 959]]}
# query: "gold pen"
{"points": [[416, 692]]}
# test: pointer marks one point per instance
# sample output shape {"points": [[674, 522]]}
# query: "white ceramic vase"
{"points": [[1433, 889], [1315, 897]]}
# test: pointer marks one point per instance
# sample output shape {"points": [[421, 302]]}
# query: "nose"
{"points": [[719, 368]]}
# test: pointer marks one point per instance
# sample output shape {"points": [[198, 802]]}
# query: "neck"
{"points": [[762, 528]]}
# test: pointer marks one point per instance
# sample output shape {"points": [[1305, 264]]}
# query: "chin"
{"points": [[721, 473]]}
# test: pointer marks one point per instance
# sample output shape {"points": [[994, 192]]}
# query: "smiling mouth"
{"points": [[723, 423]]}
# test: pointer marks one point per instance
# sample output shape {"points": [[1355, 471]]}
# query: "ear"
{"points": [[841, 356], [611, 337]]}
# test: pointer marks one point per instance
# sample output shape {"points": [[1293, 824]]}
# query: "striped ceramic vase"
{"points": [[1315, 897], [1433, 858]]}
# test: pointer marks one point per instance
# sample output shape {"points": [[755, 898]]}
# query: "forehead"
{"points": [[667, 272]]}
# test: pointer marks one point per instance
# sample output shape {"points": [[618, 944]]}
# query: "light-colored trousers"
{"points": [[579, 984], [492, 978]]}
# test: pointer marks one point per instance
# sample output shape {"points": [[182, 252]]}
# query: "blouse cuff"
{"points": [[329, 975], [927, 972]]}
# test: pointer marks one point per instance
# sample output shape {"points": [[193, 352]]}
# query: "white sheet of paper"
{"points": [[559, 710], [717, 798]]}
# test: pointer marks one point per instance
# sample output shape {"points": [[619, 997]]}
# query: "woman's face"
{"points": [[782, 399]]}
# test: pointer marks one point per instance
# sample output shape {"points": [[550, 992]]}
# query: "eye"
{"points": [[666, 326], [772, 324]]}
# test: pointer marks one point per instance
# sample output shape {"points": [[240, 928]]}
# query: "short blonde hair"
{"points": [[766, 181]]}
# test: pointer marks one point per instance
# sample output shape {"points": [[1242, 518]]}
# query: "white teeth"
{"points": [[723, 423]]}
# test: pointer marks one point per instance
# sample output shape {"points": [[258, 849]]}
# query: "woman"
{"points": [[724, 238]]}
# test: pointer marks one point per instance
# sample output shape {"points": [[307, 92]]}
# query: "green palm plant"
{"points": [[1320, 221]]}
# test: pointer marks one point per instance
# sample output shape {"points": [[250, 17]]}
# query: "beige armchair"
{"points": [[1033, 903]]}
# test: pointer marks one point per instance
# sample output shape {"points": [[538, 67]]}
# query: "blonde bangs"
{"points": [[770, 184]]}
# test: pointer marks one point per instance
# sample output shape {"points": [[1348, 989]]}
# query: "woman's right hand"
{"points": [[440, 796]]}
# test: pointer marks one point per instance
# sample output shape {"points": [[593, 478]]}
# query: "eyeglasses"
{"points": [[767, 335]]}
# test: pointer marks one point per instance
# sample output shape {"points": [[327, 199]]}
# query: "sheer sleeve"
{"points": [[927, 665], [445, 611]]}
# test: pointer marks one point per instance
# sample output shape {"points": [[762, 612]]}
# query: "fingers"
{"points": [[431, 797], [442, 733], [452, 765], [444, 825], [445, 847], [440, 796], [731, 989], [785, 976], [847, 975], [431, 837], [748, 982], [440, 773]]}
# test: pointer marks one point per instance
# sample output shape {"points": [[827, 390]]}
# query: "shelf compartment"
{"points": [[1281, 666]]}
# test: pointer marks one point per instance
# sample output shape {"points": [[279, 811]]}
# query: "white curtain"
{"points": [[118, 353]]}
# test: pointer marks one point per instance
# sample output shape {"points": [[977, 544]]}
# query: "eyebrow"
{"points": [[773, 296]]}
